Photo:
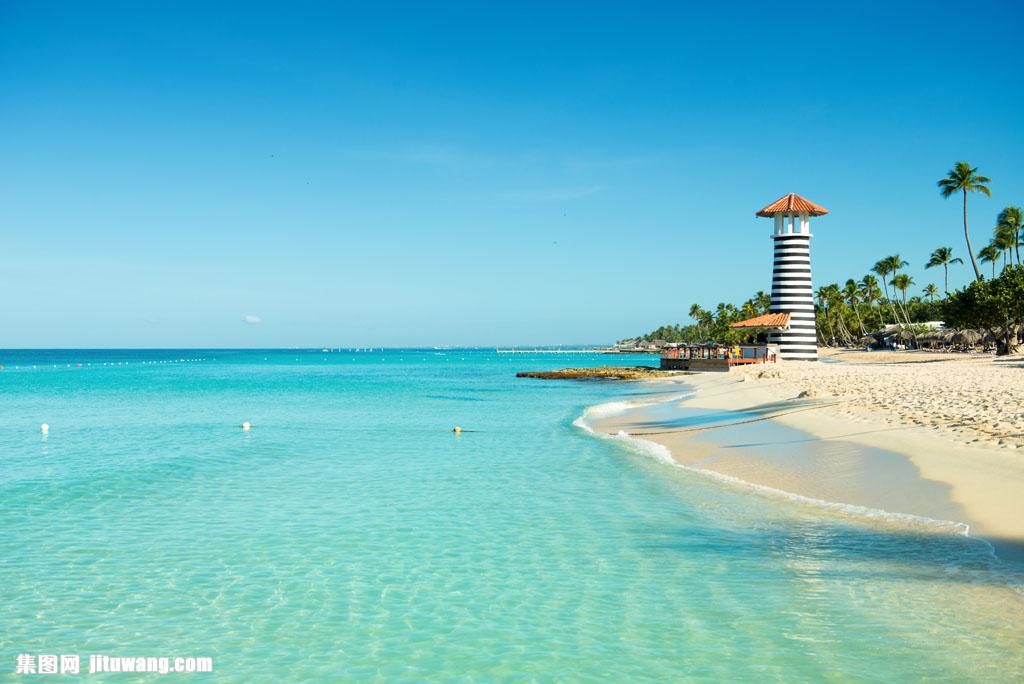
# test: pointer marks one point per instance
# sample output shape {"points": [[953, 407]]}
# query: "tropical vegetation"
{"points": [[881, 300], [943, 256], [712, 324], [964, 179], [996, 305]]}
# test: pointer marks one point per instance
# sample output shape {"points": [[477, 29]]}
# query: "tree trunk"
{"points": [[860, 321], [885, 286], [839, 328], [910, 326], [901, 306], [849, 334], [1007, 340], [945, 277], [970, 250], [828, 322]]}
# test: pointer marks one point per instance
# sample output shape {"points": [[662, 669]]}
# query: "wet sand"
{"points": [[824, 448]]}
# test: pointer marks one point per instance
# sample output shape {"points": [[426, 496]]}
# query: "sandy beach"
{"points": [[925, 434]]}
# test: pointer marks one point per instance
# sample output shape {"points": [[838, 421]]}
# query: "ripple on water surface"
{"points": [[350, 535]]}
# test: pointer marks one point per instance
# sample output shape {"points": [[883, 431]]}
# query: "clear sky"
{"points": [[485, 173]]}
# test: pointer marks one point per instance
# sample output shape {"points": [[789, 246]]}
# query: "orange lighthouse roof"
{"points": [[793, 204]]}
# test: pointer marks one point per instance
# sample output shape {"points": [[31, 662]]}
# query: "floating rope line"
{"points": [[736, 422]]}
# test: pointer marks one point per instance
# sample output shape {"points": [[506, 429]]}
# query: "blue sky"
{"points": [[485, 173]]}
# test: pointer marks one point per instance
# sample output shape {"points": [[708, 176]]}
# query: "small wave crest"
{"points": [[664, 455], [617, 408], [981, 555]]}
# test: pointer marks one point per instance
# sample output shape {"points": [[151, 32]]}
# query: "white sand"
{"points": [[970, 399], [958, 419]]}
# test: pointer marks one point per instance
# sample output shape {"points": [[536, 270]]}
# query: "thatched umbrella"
{"points": [[867, 340], [967, 337], [905, 335]]}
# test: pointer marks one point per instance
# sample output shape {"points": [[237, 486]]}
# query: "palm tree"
{"points": [[869, 291], [895, 263], [1010, 219], [943, 256], [724, 315], [701, 316], [762, 301], [830, 298], [989, 254], [1004, 237], [822, 297], [963, 178], [852, 294], [901, 282], [931, 292], [883, 268]]}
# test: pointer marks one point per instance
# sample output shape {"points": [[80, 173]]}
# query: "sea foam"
{"points": [[663, 454]]}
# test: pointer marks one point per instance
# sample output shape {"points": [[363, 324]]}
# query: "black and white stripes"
{"points": [[792, 293]]}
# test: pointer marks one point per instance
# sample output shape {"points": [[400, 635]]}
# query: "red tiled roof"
{"points": [[793, 204], [770, 320]]}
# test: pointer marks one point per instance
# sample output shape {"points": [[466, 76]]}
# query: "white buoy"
{"points": [[456, 429], [246, 425], [45, 428]]}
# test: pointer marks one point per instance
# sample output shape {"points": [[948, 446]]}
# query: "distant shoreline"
{"points": [[574, 351]]}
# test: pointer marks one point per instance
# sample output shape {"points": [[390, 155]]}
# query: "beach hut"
{"points": [[792, 293]]}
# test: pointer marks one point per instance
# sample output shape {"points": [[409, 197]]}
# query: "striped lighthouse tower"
{"points": [[792, 292]]}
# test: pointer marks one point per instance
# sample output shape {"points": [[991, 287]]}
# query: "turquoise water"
{"points": [[351, 536]]}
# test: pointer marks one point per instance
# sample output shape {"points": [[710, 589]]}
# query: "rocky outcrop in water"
{"points": [[599, 373]]}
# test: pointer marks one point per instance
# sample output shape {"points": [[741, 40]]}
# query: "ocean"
{"points": [[350, 535]]}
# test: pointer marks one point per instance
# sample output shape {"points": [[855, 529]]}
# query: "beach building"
{"points": [[790, 321], [714, 357]]}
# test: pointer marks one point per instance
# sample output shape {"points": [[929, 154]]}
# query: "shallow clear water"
{"points": [[349, 535]]}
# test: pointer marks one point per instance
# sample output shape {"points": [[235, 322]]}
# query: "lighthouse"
{"points": [[792, 293]]}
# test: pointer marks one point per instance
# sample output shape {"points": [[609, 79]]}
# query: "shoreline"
{"points": [[773, 432]]}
